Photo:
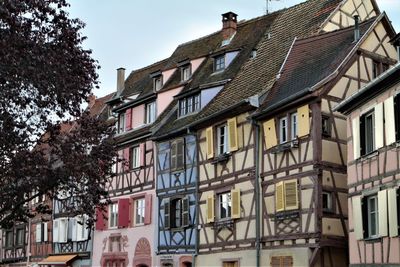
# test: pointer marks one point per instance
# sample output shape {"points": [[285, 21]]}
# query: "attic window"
{"points": [[219, 63], [186, 72], [157, 82], [253, 53]]}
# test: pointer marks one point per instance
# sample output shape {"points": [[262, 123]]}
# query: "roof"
{"points": [[247, 36], [258, 74], [58, 259], [309, 61], [371, 90]]}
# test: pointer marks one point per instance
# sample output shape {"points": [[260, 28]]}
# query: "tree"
{"points": [[45, 77]]}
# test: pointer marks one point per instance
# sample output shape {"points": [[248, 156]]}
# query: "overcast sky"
{"points": [[136, 33]]}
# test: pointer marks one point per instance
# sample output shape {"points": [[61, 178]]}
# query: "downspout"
{"points": [[257, 189], [28, 252], [196, 196]]}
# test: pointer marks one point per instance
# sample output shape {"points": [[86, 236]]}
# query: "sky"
{"points": [[136, 33]]}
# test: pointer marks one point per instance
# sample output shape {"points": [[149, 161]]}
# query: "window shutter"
{"points": [[85, 227], [185, 212], [270, 134], [232, 135], [275, 261], [100, 220], [279, 198], [38, 232], [235, 193], [210, 209], [167, 221], [173, 155], [180, 153], [379, 126], [147, 211], [63, 231], [45, 233], [358, 218], [390, 127], [73, 226], [126, 162], [303, 120], [56, 224], [291, 195], [123, 212], [392, 208], [128, 118], [356, 137], [79, 228], [210, 142], [287, 261], [382, 215], [397, 116]]}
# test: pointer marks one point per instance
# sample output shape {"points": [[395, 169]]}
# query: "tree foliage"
{"points": [[45, 77]]}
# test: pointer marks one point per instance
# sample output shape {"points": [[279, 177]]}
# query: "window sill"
{"points": [[287, 214], [221, 158], [222, 223], [286, 146], [368, 156], [373, 239]]}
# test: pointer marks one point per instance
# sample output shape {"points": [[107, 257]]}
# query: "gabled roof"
{"points": [[258, 74], [310, 61]]}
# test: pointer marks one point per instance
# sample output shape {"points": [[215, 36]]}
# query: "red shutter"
{"points": [[123, 212], [101, 222], [142, 154], [147, 212], [128, 119], [126, 159]]}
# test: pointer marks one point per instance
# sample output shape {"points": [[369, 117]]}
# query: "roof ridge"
{"points": [[150, 66]]}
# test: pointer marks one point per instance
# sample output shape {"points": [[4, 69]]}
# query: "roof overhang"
{"points": [[59, 259]]}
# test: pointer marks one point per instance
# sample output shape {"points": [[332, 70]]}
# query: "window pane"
{"points": [[283, 130], [369, 133], [225, 205]]}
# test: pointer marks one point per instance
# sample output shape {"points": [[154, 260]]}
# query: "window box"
{"points": [[223, 158]]}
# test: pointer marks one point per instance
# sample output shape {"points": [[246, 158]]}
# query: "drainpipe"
{"points": [[28, 252], [257, 188]]}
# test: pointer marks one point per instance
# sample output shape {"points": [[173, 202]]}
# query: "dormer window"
{"points": [[186, 72], [189, 105], [157, 83], [219, 63], [150, 112]]}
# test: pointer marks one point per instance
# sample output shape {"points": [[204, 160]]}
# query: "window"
{"points": [[9, 239], [176, 213], [121, 123], [230, 264], [81, 228], [367, 135], [327, 201], [20, 237], [283, 130], [113, 215], [157, 83], [186, 72], [189, 105], [281, 261], [150, 112], [139, 211], [177, 154], [224, 205], [60, 230], [326, 126], [293, 122], [219, 63], [286, 195], [378, 68], [396, 101], [222, 140], [372, 216], [135, 157]]}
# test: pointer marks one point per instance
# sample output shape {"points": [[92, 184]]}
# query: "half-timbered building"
{"points": [[304, 153], [373, 170]]}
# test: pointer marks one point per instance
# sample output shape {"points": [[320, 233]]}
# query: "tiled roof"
{"points": [[258, 75], [311, 60]]}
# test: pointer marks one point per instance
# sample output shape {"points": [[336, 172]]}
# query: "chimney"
{"points": [[120, 80], [356, 28], [229, 25]]}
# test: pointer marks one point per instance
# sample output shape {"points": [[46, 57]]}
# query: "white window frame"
{"points": [[219, 63], [16, 237], [140, 209], [223, 148], [329, 201], [150, 112], [283, 130], [113, 215], [225, 202], [135, 157], [293, 125], [369, 213], [62, 230], [365, 133], [158, 82], [186, 72], [121, 123], [81, 228]]}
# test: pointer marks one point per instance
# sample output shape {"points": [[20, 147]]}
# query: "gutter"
{"points": [[342, 106]]}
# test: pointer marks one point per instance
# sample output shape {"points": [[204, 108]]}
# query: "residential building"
{"points": [[373, 170]]}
